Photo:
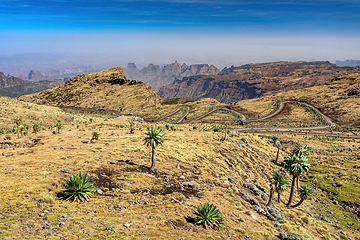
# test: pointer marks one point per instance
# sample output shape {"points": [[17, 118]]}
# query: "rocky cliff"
{"points": [[107, 90], [254, 80], [157, 76]]}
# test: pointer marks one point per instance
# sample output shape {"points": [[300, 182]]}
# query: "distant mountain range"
{"points": [[254, 80], [12, 87], [157, 76], [348, 63]]}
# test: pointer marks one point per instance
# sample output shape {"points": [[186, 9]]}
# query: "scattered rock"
{"points": [[113, 162], [110, 227], [232, 179], [256, 191], [251, 214], [275, 213], [226, 184], [65, 170], [192, 185]]}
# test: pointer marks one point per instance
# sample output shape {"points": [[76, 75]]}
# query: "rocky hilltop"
{"points": [[255, 80], [157, 76], [107, 90], [37, 76]]}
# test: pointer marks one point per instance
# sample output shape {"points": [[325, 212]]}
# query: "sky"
{"points": [[55, 33]]}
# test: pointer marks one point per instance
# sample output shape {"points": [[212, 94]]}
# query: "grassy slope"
{"points": [[100, 91], [33, 177]]}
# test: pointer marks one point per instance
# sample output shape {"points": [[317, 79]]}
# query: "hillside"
{"points": [[254, 80], [131, 203], [13, 87], [338, 99], [157, 76], [107, 90]]}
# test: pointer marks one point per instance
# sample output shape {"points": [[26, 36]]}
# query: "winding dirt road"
{"points": [[279, 109]]}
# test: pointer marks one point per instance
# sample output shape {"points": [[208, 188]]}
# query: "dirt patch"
{"points": [[180, 224], [105, 178]]}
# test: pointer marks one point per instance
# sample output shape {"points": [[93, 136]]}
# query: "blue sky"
{"points": [[158, 30]]}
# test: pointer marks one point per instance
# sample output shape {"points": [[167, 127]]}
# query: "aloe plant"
{"points": [[208, 216], [78, 188]]}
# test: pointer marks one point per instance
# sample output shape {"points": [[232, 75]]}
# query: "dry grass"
{"points": [[33, 178]]}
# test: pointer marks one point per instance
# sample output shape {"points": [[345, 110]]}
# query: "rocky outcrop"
{"points": [[254, 80], [107, 90], [37, 76], [157, 76]]}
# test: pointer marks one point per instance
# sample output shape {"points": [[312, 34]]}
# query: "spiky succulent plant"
{"points": [[78, 188], [208, 216]]}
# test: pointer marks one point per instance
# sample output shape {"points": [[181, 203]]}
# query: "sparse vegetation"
{"points": [[208, 216], [78, 188], [154, 138]]}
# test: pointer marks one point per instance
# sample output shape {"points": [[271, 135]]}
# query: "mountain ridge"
{"points": [[254, 80]]}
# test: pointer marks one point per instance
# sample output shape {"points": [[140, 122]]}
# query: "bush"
{"points": [[78, 188], [194, 127], [208, 216], [216, 129]]}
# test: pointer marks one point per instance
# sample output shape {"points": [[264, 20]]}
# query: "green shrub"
{"points": [[195, 127], [172, 128], [78, 188], [8, 137], [216, 129], [208, 216]]}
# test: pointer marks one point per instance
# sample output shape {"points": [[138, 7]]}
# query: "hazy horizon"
{"points": [[57, 34]]}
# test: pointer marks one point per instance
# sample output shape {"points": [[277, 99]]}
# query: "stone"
{"points": [[356, 166], [275, 213], [241, 219], [5, 154], [110, 227], [226, 184], [7, 168], [127, 225], [232, 179], [65, 170], [251, 214], [113, 162], [192, 185], [99, 191]]}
